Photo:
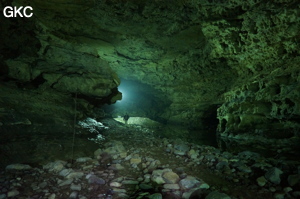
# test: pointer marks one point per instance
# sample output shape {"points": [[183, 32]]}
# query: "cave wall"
{"points": [[263, 114], [40, 69]]}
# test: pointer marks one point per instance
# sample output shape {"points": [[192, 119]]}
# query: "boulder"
{"points": [[261, 181], [217, 195], [17, 167], [157, 176], [273, 175], [294, 179], [170, 177], [188, 182]]}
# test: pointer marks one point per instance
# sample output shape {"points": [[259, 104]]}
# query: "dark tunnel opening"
{"points": [[211, 123], [206, 131]]}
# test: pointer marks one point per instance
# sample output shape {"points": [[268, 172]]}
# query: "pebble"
{"points": [[171, 186], [188, 182], [83, 159], [52, 196], [43, 185], [296, 194], [170, 177], [287, 189], [204, 186], [65, 182], [65, 172], [181, 149], [235, 180], [273, 175], [117, 190], [115, 184], [13, 193], [88, 167], [135, 160], [155, 196], [279, 196], [119, 167], [180, 153], [75, 174], [75, 187], [130, 182], [221, 165], [119, 179], [272, 189], [157, 176], [92, 179], [294, 179], [261, 181], [192, 154], [144, 186], [217, 195], [140, 179], [244, 169], [17, 167], [73, 195], [97, 154], [123, 155], [56, 166], [187, 194], [128, 157]]}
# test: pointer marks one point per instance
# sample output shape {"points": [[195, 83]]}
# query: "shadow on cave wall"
{"points": [[18, 36]]}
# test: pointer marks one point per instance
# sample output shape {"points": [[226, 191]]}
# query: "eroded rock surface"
{"points": [[263, 114]]}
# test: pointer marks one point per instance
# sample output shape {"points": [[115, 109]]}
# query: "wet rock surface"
{"points": [[132, 163]]}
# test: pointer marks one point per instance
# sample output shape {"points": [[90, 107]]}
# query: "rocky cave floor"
{"points": [[133, 162]]}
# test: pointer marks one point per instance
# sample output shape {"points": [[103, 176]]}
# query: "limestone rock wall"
{"points": [[263, 114], [35, 61], [47, 84]]}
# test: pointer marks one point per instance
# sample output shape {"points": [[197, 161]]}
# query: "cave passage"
{"points": [[211, 89], [138, 100]]}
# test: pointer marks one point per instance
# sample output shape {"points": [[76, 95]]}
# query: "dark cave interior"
{"points": [[153, 99]]}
